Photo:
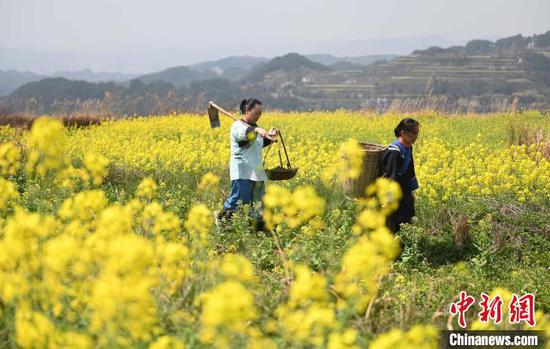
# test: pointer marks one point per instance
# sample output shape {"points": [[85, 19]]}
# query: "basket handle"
{"points": [[280, 158], [279, 151], [284, 148], [267, 153]]}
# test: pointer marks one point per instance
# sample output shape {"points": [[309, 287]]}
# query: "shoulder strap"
{"points": [[394, 147]]}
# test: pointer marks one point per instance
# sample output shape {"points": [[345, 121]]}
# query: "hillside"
{"points": [[233, 68], [359, 60], [480, 76], [509, 74], [244, 63], [251, 68], [91, 76], [51, 90], [177, 76], [10, 80], [290, 66]]}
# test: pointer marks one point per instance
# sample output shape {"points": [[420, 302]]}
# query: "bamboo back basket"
{"points": [[372, 154]]}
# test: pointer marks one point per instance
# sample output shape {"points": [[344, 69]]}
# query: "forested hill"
{"points": [[509, 74]]}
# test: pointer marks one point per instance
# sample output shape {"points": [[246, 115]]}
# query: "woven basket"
{"points": [[280, 173], [370, 168]]}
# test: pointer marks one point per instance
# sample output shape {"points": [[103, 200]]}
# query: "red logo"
{"points": [[522, 309], [490, 310], [461, 307]]}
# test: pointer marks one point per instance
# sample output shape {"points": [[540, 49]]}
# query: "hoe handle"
{"points": [[223, 111]]}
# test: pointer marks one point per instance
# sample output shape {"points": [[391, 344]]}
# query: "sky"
{"points": [[109, 34]]}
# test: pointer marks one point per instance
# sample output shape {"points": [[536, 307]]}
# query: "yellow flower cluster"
{"points": [[97, 167], [420, 336], [8, 194], [455, 156], [292, 209], [47, 145], [208, 181], [199, 221], [349, 162], [228, 307], [147, 189], [9, 159], [90, 273], [237, 267], [90, 263], [167, 342], [475, 170], [363, 265], [308, 314], [84, 207], [46, 155]]}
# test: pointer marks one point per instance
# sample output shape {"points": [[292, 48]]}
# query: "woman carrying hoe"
{"points": [[246, 171]]}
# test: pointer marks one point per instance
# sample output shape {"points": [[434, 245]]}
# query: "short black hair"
{"points": [[407, 125], [248, 104]]}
